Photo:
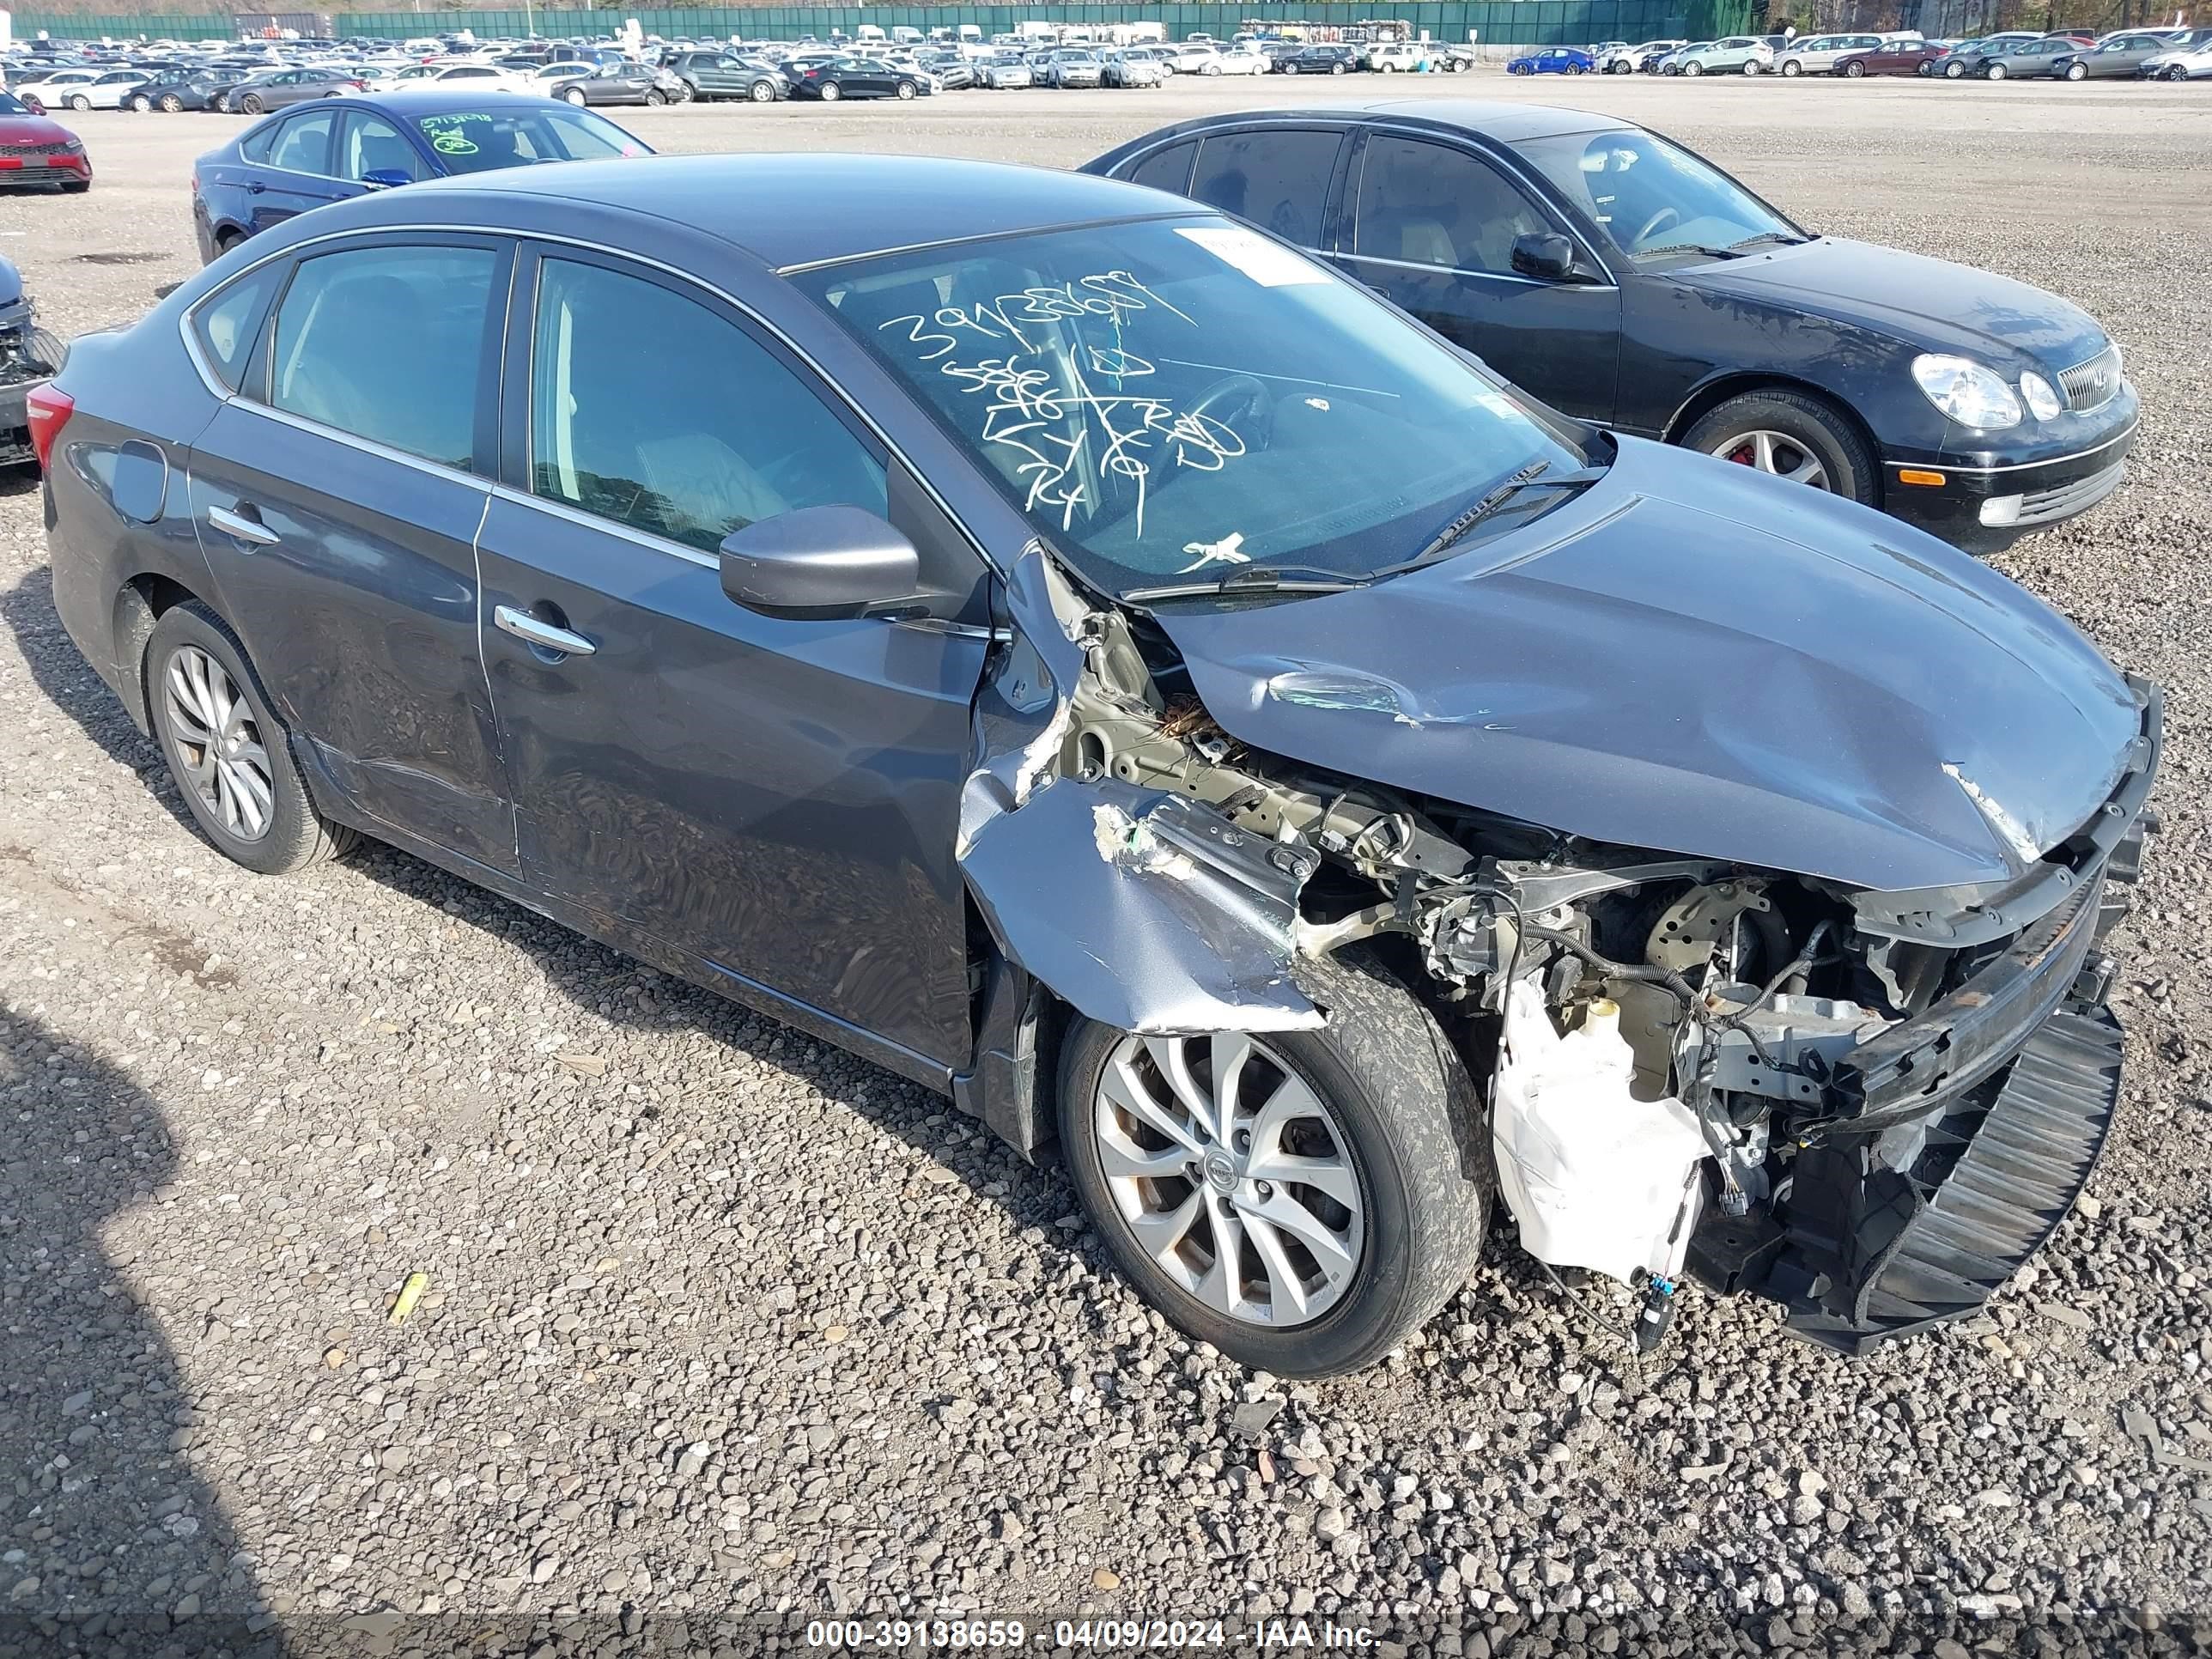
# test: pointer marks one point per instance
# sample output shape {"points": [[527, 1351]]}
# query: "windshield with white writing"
{"points": [[1182, 399]]}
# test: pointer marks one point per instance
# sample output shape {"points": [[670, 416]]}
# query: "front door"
{"points": [[778, 798], [1432, 227], [338, 498]]}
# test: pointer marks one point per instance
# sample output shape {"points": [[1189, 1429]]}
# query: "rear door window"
{"points": [[303, 143], [1277, 178], [386, 343], [1167, 169]]}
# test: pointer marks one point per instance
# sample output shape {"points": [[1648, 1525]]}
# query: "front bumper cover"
{"points": [[1956, 1142]]}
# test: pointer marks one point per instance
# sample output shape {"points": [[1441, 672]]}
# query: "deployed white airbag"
{"points": [[1596, 1178]]}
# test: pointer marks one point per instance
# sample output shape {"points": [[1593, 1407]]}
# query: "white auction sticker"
{"points": [[1261, 260]]}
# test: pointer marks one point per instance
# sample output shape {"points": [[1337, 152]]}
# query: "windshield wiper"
{"points": [[1689, 247], [1783, 237], [1253, 578], [1532, 476]]}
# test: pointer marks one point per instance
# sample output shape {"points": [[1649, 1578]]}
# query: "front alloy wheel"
{"points": [[1995, 72], [1955, 71], [762, 93], [2077, 72], [1791, 436], [1776, 452], [575, 95], [1301, 1199]]}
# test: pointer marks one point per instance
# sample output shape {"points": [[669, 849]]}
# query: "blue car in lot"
{"points": [[334, 148], [1553, 60]]}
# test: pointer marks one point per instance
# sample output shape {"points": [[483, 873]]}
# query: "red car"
{"points": [[1893, 57], [34, 150]]}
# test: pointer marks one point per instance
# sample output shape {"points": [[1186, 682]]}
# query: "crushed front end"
{"points": [[1868, 1105], [29, 357]]}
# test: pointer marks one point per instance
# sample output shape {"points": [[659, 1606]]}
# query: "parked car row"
{"points": [[2165, 54]]}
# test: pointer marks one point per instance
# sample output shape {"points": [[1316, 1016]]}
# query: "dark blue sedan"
{"points": [[332, 148], [1553, 60]]}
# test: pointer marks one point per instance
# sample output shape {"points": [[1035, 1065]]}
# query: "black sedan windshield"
{"points": [[1653, 199], [1184, 398]]}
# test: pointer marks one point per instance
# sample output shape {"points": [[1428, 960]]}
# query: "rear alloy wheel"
{"points": [[1790, 436], [575, 95], [171, 104], [227, 752], [1302, 1200], [831, 92], [762, 93]]}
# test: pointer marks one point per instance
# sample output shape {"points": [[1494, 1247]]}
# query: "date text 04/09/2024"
{"points": [[1086, 1635]]}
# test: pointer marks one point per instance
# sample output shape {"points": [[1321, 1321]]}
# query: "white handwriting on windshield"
{"points": [[1039, 402]]}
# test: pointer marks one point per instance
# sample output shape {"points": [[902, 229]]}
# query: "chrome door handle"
{"points": [[543, 635], [239, 527]]}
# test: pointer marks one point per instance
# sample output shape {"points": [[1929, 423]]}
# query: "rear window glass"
{"points": [[227, 323]]}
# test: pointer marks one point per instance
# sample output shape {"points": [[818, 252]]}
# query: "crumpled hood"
{"points": [[1692, 658], [1931, 302]]}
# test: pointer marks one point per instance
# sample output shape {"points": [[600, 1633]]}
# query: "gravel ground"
{"points": [[721, 1322]]}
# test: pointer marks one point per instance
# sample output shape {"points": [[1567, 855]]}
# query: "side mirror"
{"points": [[1544, 254], [820, 563], [386, 178]]}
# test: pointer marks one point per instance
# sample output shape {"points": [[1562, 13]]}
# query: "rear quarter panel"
{"points": [[134, 386]]}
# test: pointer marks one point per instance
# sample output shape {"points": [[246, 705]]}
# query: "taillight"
{"points": [[49, 407]]}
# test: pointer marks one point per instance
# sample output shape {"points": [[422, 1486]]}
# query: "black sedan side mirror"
{"points": [[1544, 254], [819, 564]]}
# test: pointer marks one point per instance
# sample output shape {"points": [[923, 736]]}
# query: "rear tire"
{"points": [[171, 104], [1402, 1114], [831, 92], [187, 640], [1821, 429]]}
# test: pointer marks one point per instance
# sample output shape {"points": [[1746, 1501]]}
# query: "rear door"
{"points": [[776, 797], [337, 499], [297, 176], [1432, 228]]}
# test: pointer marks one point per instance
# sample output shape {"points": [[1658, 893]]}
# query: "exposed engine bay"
{"points": [[1761, 1079]]}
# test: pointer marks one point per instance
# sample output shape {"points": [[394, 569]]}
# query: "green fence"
{"points": [[1498, 23]]}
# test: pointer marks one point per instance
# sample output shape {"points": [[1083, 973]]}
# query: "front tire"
{"points": [[1853, 71], [2077, 72], [250, 104], [1955, 71], [1995, 72], [1790, 435], [1693, 68], [80, 103], [1791, 69], [140, 104], [906, 92], [655, 98], [575, 95], [1328, 1210], [230, 758], [762, 93]]}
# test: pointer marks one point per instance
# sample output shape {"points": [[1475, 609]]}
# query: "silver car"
{"points": [[1821, 54]]}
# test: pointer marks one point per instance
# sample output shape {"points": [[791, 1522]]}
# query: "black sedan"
{"points": [[833, 77], [172, 90], [1110, 668], [1627, 282]]}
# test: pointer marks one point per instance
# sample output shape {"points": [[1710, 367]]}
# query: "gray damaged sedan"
{"points": [[1089, 658]]}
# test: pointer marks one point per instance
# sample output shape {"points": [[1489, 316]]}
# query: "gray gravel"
{"points": [[722, 1322]]}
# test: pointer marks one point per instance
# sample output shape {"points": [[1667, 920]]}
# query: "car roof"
{"points": [[1506, 124], [792, 208], [471, 97]]}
